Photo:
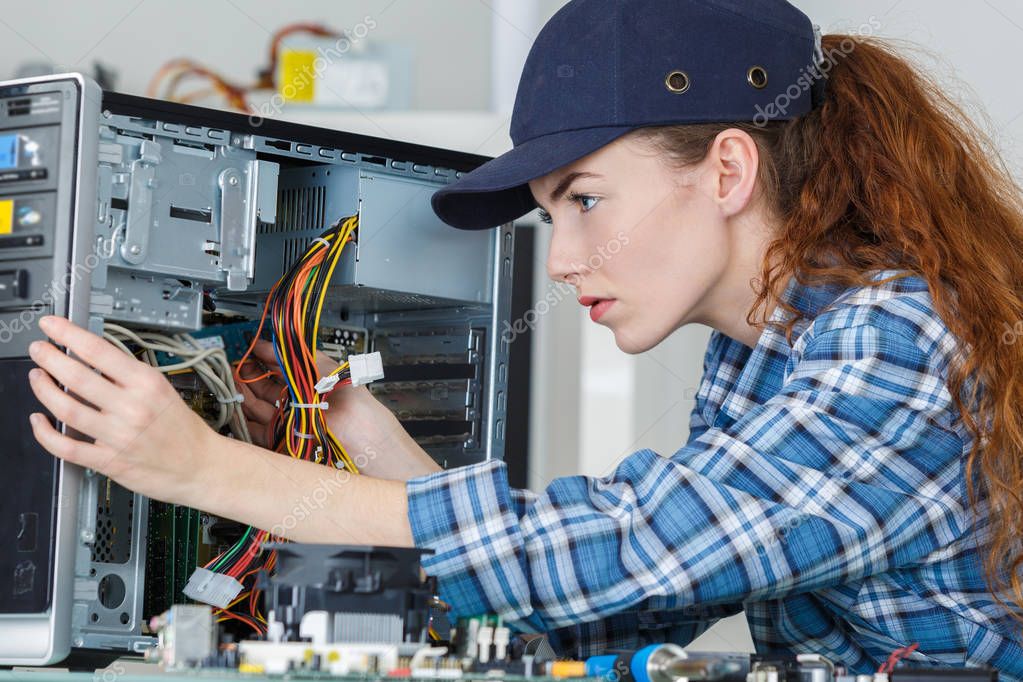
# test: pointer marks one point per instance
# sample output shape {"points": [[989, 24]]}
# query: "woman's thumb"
{"points": [[324, 363]]}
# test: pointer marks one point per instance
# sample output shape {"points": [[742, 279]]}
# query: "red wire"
{"points": [[897, 655], [244, 619]]}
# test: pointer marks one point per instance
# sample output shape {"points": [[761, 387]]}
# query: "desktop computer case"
{"points": [[141, 212]]}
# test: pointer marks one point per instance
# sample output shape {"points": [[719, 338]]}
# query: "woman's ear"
{"points": [[732, 164]]}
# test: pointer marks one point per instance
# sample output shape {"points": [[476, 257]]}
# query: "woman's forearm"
{"points": [[148, 440], [376, 440], [297, 499]]}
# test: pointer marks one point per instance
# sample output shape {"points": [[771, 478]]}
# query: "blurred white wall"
{"points": [[450, 39]]}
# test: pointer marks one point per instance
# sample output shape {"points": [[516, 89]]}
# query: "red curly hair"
{"points": [[890, 173]]}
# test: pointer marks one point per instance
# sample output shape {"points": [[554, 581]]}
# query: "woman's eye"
{"points": [[586, 202]]}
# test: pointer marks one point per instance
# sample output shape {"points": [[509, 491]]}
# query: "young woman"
{"points": [[853, 471]]}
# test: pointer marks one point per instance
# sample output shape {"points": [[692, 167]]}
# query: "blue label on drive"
{"points": [[8, 151]]}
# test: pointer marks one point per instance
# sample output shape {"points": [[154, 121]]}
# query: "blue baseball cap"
{"points": [[602, 68]]}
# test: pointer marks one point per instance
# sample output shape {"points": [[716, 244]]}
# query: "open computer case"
{"points": [[161, 216]]}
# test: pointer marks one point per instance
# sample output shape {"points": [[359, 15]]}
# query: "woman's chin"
{"points": [[632, 343]]}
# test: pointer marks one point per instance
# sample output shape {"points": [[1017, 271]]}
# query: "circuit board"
{"points": [[188, 538]]}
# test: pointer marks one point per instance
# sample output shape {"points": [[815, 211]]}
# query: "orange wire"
{"points": [[244, 619], [252, 346], [235, 94]]}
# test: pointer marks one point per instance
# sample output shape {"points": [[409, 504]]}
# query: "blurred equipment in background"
{"points": [[310, 65], [346, 72]]}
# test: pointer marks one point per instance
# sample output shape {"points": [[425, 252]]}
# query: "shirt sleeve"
{"points": [[851, 469]]}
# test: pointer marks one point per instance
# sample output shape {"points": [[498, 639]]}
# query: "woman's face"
{"points": [[649, 247]]}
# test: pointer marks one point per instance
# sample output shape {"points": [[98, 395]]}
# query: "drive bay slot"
{"points": [[430, 372]]}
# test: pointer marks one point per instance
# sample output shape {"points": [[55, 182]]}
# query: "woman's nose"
{"points": [[562, 265]]}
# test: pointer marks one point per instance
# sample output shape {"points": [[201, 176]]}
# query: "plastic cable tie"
{"points": [[321, 239], [303, 436], [236, 398], [311, 406]]}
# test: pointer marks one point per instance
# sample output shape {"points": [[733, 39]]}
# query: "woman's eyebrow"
{"points": [[566, 183]]}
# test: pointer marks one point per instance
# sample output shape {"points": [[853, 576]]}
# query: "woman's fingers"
{"points": [[258, 432], [324, 363], [264, 350], [79, 452], [93, 349], [254, 407], [78, 377], [267, 389], [266, 386], [67, 408], [255, 432], [257, 365]]}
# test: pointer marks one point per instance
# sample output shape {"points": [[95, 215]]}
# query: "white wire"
{"points": [[210, 365]]}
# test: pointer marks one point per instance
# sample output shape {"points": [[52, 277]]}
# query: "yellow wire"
{"points": [[342, 240], [280, 325], [339, 246], [332, 257]]}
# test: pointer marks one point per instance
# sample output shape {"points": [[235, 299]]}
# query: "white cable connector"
{"points": [[366, 368], [327, 383], [502, 636], [212, 588], [484, 638]]}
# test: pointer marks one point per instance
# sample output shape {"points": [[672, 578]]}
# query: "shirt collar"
{"points": [[763, 371], [809, 300]]}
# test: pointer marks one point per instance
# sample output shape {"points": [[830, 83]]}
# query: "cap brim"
{"points": [[497, 192]]}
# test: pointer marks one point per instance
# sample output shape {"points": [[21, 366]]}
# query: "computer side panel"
{"points": [[48, 142]]}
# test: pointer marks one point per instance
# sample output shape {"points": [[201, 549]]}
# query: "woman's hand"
{"points": [[145, 437], [148, 440], [370, 433]]}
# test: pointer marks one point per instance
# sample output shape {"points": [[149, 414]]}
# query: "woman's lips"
{"points": [[598, 306]]}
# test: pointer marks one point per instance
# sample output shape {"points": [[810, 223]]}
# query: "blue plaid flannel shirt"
{"points": [[821, 490]]}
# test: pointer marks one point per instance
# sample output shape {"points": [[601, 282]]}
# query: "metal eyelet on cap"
{"points": [[757, 77], [677, 82]]}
